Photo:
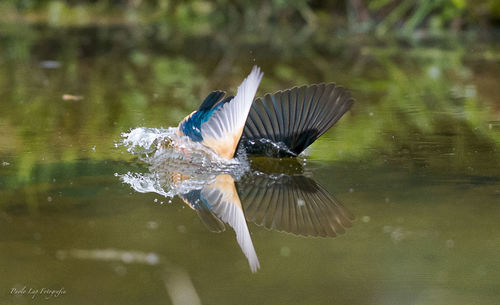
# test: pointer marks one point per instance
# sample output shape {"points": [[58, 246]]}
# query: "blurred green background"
{"points": [[150, 63], [417, 159], [379, 16]]}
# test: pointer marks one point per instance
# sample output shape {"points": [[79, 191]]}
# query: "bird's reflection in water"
{"points": [[278, 194], [286, 198], [217, 203]]}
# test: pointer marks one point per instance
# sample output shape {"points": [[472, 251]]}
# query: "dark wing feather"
{"points": [[211, 100], [294, 204], [287, 122]]}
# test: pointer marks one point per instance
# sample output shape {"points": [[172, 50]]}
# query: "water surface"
{"points": [[415, 167]]}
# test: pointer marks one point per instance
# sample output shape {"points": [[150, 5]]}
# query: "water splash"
{"points": [[176, 164]]}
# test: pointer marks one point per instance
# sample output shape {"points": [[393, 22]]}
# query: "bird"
{"points": [[280, 124]]}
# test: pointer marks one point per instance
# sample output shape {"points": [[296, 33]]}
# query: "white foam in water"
{"points": [[143, 183], [143, 138], [176, 164]]}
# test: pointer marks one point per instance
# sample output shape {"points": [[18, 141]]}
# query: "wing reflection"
{"points": [[217, 203], [281, 195], [294, 204], [277, 194]]}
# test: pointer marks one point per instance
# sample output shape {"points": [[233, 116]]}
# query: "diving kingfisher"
{"points": [[281, 124]]}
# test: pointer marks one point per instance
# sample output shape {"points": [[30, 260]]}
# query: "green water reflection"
{"points": [[416, 160]]}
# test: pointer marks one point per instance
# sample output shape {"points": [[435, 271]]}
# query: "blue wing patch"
{"points": [[195, 200], [191, 126], [204, 210]]}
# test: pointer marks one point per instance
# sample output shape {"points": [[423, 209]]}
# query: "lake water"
{"points": [[413, 170]]}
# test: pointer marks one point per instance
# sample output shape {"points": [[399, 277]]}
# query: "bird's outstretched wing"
{"points": [[222, 130], [287, 122]]}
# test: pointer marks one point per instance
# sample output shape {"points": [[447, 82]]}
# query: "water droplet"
{"points": [[285, 251], [301, 202], [152, 225], [152, 259]]}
